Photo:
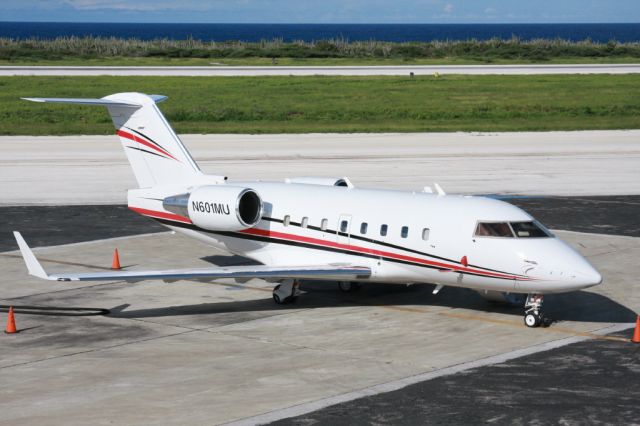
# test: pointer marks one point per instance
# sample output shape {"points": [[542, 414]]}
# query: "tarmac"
{"points": [[223, 70], [191, 352], [94, 170]]}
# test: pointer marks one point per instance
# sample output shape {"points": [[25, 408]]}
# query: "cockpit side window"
{"points": [[493, 229], [530, 230]]}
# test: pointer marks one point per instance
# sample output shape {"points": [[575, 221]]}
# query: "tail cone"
{"points": [[116, 260], [11, 323], [636, 333]]}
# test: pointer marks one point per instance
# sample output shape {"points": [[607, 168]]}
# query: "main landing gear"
{"points": [[348, 286], [286, 292], [533, 310]]}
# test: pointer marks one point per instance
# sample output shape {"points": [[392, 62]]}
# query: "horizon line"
{"points": [[324, 23]]}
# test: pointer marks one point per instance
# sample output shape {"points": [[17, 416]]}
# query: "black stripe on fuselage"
{"points": [[382, 243], [310, 246]]}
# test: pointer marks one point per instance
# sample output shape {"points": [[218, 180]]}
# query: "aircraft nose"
{"points": [[586, 276]]}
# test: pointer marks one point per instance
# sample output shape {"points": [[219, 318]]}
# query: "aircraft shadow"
{"points": [[580, 306]]}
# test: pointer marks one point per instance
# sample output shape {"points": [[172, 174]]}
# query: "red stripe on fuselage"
{"points": [[325, 243], [294, 237], [141, 141]]}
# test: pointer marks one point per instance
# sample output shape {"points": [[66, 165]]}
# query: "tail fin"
{"points": [[155, 152]]}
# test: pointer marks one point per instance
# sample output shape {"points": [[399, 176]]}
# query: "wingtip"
{"points": [[30, 260]]}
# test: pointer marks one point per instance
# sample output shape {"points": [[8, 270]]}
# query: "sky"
{"points": [[323, 11]]}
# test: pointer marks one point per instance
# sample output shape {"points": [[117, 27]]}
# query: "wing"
{"points": [[329, 271]]}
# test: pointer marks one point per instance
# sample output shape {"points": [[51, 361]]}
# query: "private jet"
{"points": [[324, 228]]}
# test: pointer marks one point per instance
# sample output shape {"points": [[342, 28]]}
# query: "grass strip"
{"points": [[335, 104], [74, 49]]}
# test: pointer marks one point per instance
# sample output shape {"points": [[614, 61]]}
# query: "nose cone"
{"points": [[586, 277], [561, 269]]}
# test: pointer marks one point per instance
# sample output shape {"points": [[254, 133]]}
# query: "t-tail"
{"points": [[155, 152]]}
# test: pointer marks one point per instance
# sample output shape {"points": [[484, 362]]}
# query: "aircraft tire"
{"points": [[532, 320]]}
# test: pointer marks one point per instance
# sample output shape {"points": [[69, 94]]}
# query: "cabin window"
{"points": [[425, 234], [304, 222], [324, 224], [383, 230], [404, 231], [344, 225], [530, 230], [494, 229], [363, 228], [287, 220]]}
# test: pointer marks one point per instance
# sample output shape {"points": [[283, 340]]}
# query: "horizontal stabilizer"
{"points": [[84, 101], [156, 154], [329, 271]]}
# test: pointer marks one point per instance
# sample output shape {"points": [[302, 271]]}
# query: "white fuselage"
{"points": [[427, 236]]}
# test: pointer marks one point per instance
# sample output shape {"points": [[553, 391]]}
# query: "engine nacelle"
{"points": [[326, 181], [218, 207]]}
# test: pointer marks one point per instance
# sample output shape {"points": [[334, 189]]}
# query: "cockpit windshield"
{"points": [[494, 229], [530, 229]]}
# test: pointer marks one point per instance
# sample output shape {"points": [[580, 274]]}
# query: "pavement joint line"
{"points": [[217, 329], [551, 329], [84, 243], [344, 355], [66, 289], [145, 321], [604, 253], [35, 361], [305, 408], [631, 203], [629, 237], [59, 262]]}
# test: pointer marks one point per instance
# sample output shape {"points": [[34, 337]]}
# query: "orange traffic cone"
{"points": [[636, 333], [116, 260], [11, 323]]}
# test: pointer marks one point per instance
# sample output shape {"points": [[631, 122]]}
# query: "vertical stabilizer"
{"points": [[155, 152]]}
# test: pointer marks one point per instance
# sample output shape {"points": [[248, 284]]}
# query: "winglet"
{"points": [[33, 266]]}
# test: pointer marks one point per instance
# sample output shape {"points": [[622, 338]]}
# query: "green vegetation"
{"points": [[335, 104], [114, 51], [163, 62]]}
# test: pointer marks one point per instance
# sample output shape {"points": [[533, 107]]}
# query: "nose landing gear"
{"points": [[533, 310]]}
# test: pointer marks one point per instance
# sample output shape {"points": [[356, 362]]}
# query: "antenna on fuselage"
{"points": [[439, 189]]}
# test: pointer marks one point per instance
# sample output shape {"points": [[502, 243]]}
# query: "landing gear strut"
{"points": [[533, 310], [286, 292], [348, 286]]}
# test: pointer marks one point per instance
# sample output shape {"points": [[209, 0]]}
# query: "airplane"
{"points": [[324, 228]]}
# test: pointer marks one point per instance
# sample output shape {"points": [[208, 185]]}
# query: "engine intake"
{"points": [[218, 207]]}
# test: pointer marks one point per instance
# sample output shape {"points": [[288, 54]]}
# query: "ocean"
{"points": [[309, 32]]}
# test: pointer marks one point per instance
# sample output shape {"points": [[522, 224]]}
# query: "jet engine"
{"points": [[218, 207], [325, 181]]}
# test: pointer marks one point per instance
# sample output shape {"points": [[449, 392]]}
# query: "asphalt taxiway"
{"points": [[202, 353], [223, 70]]}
